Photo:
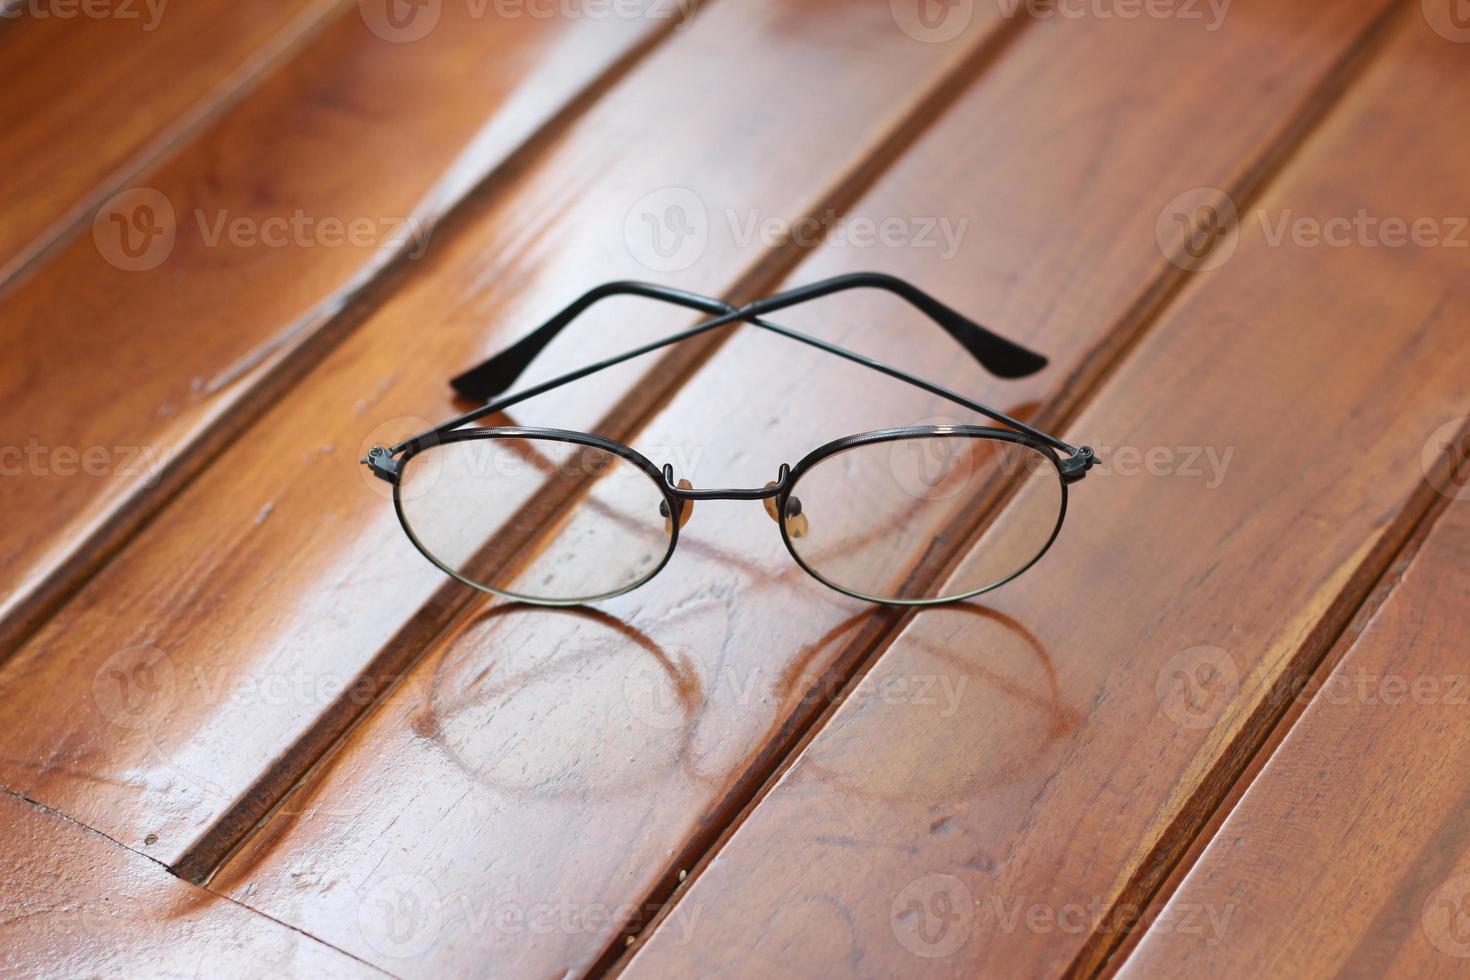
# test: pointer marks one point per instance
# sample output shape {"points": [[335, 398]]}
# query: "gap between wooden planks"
{"points": [[1296, 702], [249, 577], [73, 903], [580, 657], [1359, 811], [1098, 759], [154, 361], [87, 109]]}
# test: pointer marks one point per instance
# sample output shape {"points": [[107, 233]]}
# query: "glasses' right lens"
{"points": [[536, 518], [879, 518]]}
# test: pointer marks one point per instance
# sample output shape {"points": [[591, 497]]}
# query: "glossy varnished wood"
{"points": [[86, 105], [73, 903], [1350, 854], [637, 731], [198, 289], [1111, 694], [223, 646]]}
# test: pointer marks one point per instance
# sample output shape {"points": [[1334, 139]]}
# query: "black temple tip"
{"points": [[1001, 357], [485, 381], [1008, 360]]}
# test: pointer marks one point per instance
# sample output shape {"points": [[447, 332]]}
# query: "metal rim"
{"points": [[420, 445], [846, 443]]}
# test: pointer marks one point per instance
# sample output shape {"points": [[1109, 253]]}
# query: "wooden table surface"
{"points": [[245, 729]]}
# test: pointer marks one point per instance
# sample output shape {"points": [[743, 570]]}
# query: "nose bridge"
{"points": [[732, 493]]}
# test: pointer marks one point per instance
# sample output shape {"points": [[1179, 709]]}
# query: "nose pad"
{"points": [[796, 522], [684, 512]]}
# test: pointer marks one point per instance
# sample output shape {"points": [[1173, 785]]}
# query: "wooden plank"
{"points": [[538, 760], [250, 608], [86, 105], [1016, 828], [1349, 853], [73, 903], [128, 362]]}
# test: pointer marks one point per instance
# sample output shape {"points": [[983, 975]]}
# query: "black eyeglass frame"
{"points": [[490, 378], [787, 478]]}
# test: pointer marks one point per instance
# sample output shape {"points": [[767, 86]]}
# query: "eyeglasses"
{"points": [[556, 517]]}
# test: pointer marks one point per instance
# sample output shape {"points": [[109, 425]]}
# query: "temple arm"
{"points": [[1079, 459], [1001, 357], [491, 377]]}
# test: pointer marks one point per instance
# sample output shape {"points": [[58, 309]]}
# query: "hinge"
{"points": [[382, 463], [1075, 467]]}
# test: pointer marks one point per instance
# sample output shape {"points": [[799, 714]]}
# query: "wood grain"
{"points": [[1109, 696], [637, 730], [229, 643], [1360, 811], [73, 903], [85, 106], [132, 357]]}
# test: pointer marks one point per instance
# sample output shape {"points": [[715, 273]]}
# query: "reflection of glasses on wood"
{"points": [[559, 517]]}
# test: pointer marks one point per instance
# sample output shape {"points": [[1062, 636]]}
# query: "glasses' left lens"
{"points": [[536, 518], [879, 519]]}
